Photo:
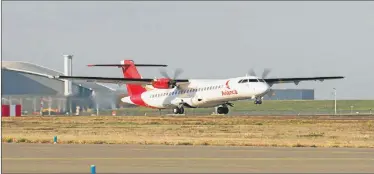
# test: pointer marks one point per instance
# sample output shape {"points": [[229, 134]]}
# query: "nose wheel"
{"points": [[258, 101]]}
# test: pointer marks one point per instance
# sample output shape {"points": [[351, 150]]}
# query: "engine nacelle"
{"points": [[163, 83]]}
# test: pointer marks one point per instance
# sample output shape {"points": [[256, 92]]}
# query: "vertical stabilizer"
{"points": [[130, 71]]}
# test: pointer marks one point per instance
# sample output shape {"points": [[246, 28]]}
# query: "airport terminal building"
{"points": [[31, 86]]}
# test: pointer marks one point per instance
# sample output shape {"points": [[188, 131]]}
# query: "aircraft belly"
{"points": [[152, 102]]}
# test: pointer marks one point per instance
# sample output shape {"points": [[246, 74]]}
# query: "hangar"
{"points": [[30, 85], [291, 94]]}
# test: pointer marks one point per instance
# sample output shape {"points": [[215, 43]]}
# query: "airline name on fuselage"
{"points": [[230, 92]]}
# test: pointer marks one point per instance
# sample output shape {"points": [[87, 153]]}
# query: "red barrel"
{"points": [[5, 110], [11, 110]]}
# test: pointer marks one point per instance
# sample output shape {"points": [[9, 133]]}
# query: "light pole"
{"points": [[335, 99], [351, 110]]}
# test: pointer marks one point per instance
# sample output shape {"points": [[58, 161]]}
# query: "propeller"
{"points": [[177, 72], [265, 73]]}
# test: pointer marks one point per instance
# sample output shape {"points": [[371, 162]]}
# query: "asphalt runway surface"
{"points": [[72, 158]]}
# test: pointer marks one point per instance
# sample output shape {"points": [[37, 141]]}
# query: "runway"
{"points": [[48, 158]]}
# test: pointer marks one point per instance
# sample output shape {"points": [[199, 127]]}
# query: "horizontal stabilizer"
{"points": [[120, 65]]}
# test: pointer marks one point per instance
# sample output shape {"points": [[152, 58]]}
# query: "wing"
{"points": [[115, 80], [297, 80]]}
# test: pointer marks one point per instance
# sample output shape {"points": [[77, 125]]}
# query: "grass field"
{"points": [[206, 130], [276, 107]]}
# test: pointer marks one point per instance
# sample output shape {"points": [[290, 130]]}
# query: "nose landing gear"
{"points": [[258, 101]]}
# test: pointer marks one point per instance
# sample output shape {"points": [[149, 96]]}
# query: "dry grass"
{"points": [[207, 130]]}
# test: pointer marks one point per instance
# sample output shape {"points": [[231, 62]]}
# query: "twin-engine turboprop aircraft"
{"points": [[192, 93]]}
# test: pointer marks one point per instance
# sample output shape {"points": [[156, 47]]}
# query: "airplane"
{"points": [[176, 94]]}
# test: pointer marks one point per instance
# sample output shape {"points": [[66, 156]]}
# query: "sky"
{"points": [[216, 39]]}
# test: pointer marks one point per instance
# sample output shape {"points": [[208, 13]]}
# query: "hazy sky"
{"points": [[206, 39]]}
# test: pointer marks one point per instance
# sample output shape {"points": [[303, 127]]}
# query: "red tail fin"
{"points": [[130, 71]]}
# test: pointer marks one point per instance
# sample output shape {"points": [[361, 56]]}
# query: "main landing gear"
{"points": [[178, 110], [222, 110]]}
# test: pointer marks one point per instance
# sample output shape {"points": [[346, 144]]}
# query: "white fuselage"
{"points": [[204, 93]]}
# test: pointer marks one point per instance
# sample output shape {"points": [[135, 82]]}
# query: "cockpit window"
{"points": [[250, 80]]}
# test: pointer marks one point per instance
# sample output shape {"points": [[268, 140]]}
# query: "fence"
{"points": [[54, 105]]}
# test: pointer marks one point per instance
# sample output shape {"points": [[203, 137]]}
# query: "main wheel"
{"points": [[178, 110], [222, 110], [181, 110]]}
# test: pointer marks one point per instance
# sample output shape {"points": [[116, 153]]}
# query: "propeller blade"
{"points": [[252, 72], [265, 73], [177, 72], [164, 73]]}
